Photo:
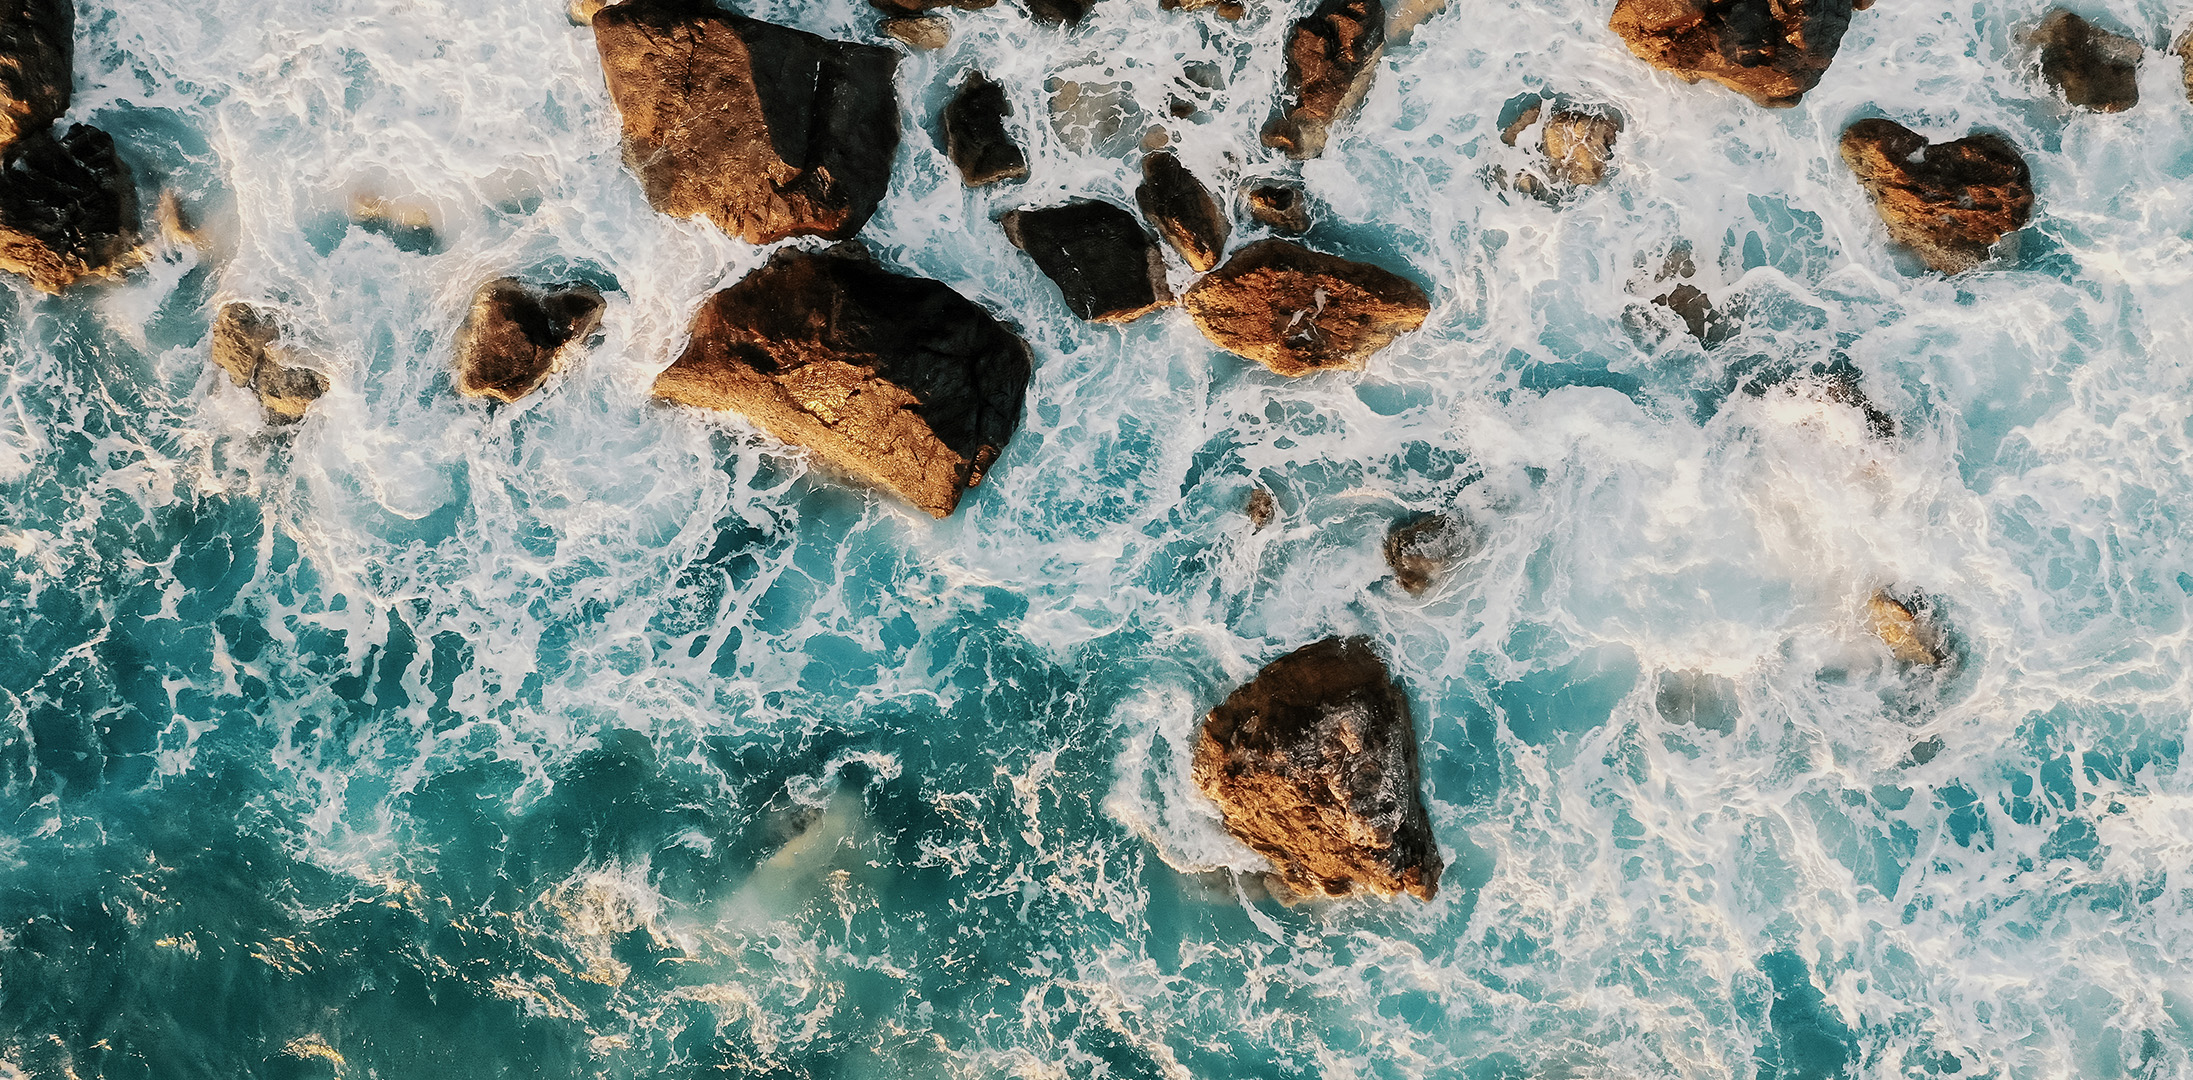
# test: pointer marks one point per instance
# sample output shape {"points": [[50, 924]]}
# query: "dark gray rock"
{"points": [[974, 133], [1423, 550], [37, 65], [1182, 210], [1098, 255], [68, 208]]}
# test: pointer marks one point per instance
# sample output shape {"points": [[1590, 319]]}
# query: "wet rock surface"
{"points": [[1261, 508], [68, 208], [1423, 550], [1183, 211], [1313, 764], [248, 344], [768, 131], [2184, 50], [37, 65], [1771, 51], [1948, 202], [975, 137], [1573, 147], [1295, 310], [517, 335], [896, 381], [1281, 204], [1907, 630], [919, 31], [1060, 11], [1098, 255], [2091, 67], [916, 7], [1227, 9], [1331, 56]]}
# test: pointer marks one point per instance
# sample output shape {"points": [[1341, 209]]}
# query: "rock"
{"points": [[1331, 56], [247, 343], [1097, 254], [1060, 11], [919, 31], [1183, 211], [1949, 202], [582, 12], [1693, 306], [916, 7], [1574, 148], [1313, 764], [407, 223], [1227, 9], [1408, 15], [1421, 551], [897, 381], [1911, 637], [68, 208], [1280, 204], [2091, 67], [768, 131], [1770, 51], [1296, 311], [974, 133], [1094, 117], [2184, 49], [516, 335], [1261, 508], [37, 65]]}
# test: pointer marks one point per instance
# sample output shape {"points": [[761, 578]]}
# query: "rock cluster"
{"points": [[1948, 202], [1770, 51], [1295, 310], [1098, 255], [1331, 55], [517, 335], [2091, 67], [248, 344], [68, 204]]}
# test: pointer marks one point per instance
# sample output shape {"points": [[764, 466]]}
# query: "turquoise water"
{"points": [[591, 738]]}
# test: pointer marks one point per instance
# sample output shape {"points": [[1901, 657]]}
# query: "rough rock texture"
{"points": [[1098, 255], [895, 380], [1949, 202], [2091, 67], [974, 133], [517, 335], [1693, 306], [1183, 211], [1573, 149], [1313, 764], [1280, 204], [1331, 56], [1261, 508], [1296, 311], [247, 343], [919, 31], [768, 131], [1770, 51], [2184, 49], [1060, 11], [37, 65], [1227, 9], [1421, 551], [68, 207], [916, 7], [1911, 637], [582, 12]]}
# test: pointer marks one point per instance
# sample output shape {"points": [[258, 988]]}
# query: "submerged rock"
{"points": [[1948, 202], [1690, 304], [1183, 211], [1097, 254], [1296, 311], [1313, 764], [247, 343], [68, 208], [1280, 204], [974, 133], [37, 65], [768, 131], [1227, 9], [1912, 638], [516, 335], [1770, 51], [1423, 550], [1094, 117], [895, 380], [919, 31], [1331, 56], [2091, 67], [1574, 148]]}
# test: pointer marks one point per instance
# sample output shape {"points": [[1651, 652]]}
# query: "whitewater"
{"points": [[595, 737]]}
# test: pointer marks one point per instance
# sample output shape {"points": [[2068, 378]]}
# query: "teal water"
{"points": [[590, 738]]}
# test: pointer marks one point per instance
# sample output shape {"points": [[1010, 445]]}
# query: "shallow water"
{"points": [[588, 737]]}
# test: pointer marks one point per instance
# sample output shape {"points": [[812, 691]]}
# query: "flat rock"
{"points": [[1911, 637], [974, 133], [1280, 204], [768, 131], [1331, 56], [249, 345], [1182, 210], [1948, 202], [927, 32], [1313, 764], [517, 335], [68, 208], [1098, 255], [2091, 67], [1296, 311], [1770, 51], [1421, 551], [896, 381], [37, 65]]}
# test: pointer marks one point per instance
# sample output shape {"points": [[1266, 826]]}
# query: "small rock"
{"points": [[919, 31], [68, 208], [1770, 51], [1261, 508], [1331, 56], [1227, 9], [1423, 550], [1692, 305], [516, 335], [1183, 211], [1949, 202], [1910, 636], [2091, 67], [974, 133], [1296, 311], [1098, 255], [247, 343], [37, 65], [1280, 204], [1313, 764], [582, 12]]}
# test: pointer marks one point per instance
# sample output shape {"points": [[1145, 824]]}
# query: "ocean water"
{"points": [[593, 738]]}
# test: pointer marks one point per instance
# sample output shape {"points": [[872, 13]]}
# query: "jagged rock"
{"points": [[1574, 148], [919, 31], [582, 12], [1280, 204], [2184, 49], [1098, 255], [1261, 508], [1770, 51], [1296, 311], [1692, 305], [768, 131], [68, 208], [407, 223], [974, 133], [37, 65], [1331, 56], [1061, 11], [247, 343], [1912, 638], [2091, 67], [516, 335], [1422, 551], [1949, 202], [894, 380], [1313, 764], [1183, 211]]}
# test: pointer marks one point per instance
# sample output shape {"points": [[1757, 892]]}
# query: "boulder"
{"points": [[1296, 311], [1949, 202], [1183, 211], [919, 31], [1313, 764], [1911, 636], [1422, 550], [1060, 11], [1770, 51], [1280, 204], [37, 65], [2091, 67], [516, 335], [1691, 304], [1574, 148], [1261, 508], [768, 131], [974, 133], [1331, 56], [68, 208], [1098, 255], [893, 380], [248, 344], [1095, 117]]}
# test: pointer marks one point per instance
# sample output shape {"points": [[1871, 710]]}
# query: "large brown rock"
{"points": [[974, 133], [2091, 67], [1949, 202], [248, 344], [896, 381], [1182, 210], [768, 131], [1098, 255], [37, 65], [1770, 51], [517, 335], [1313, 764], [68, 208], [1331, 56], [1296, 311]]}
